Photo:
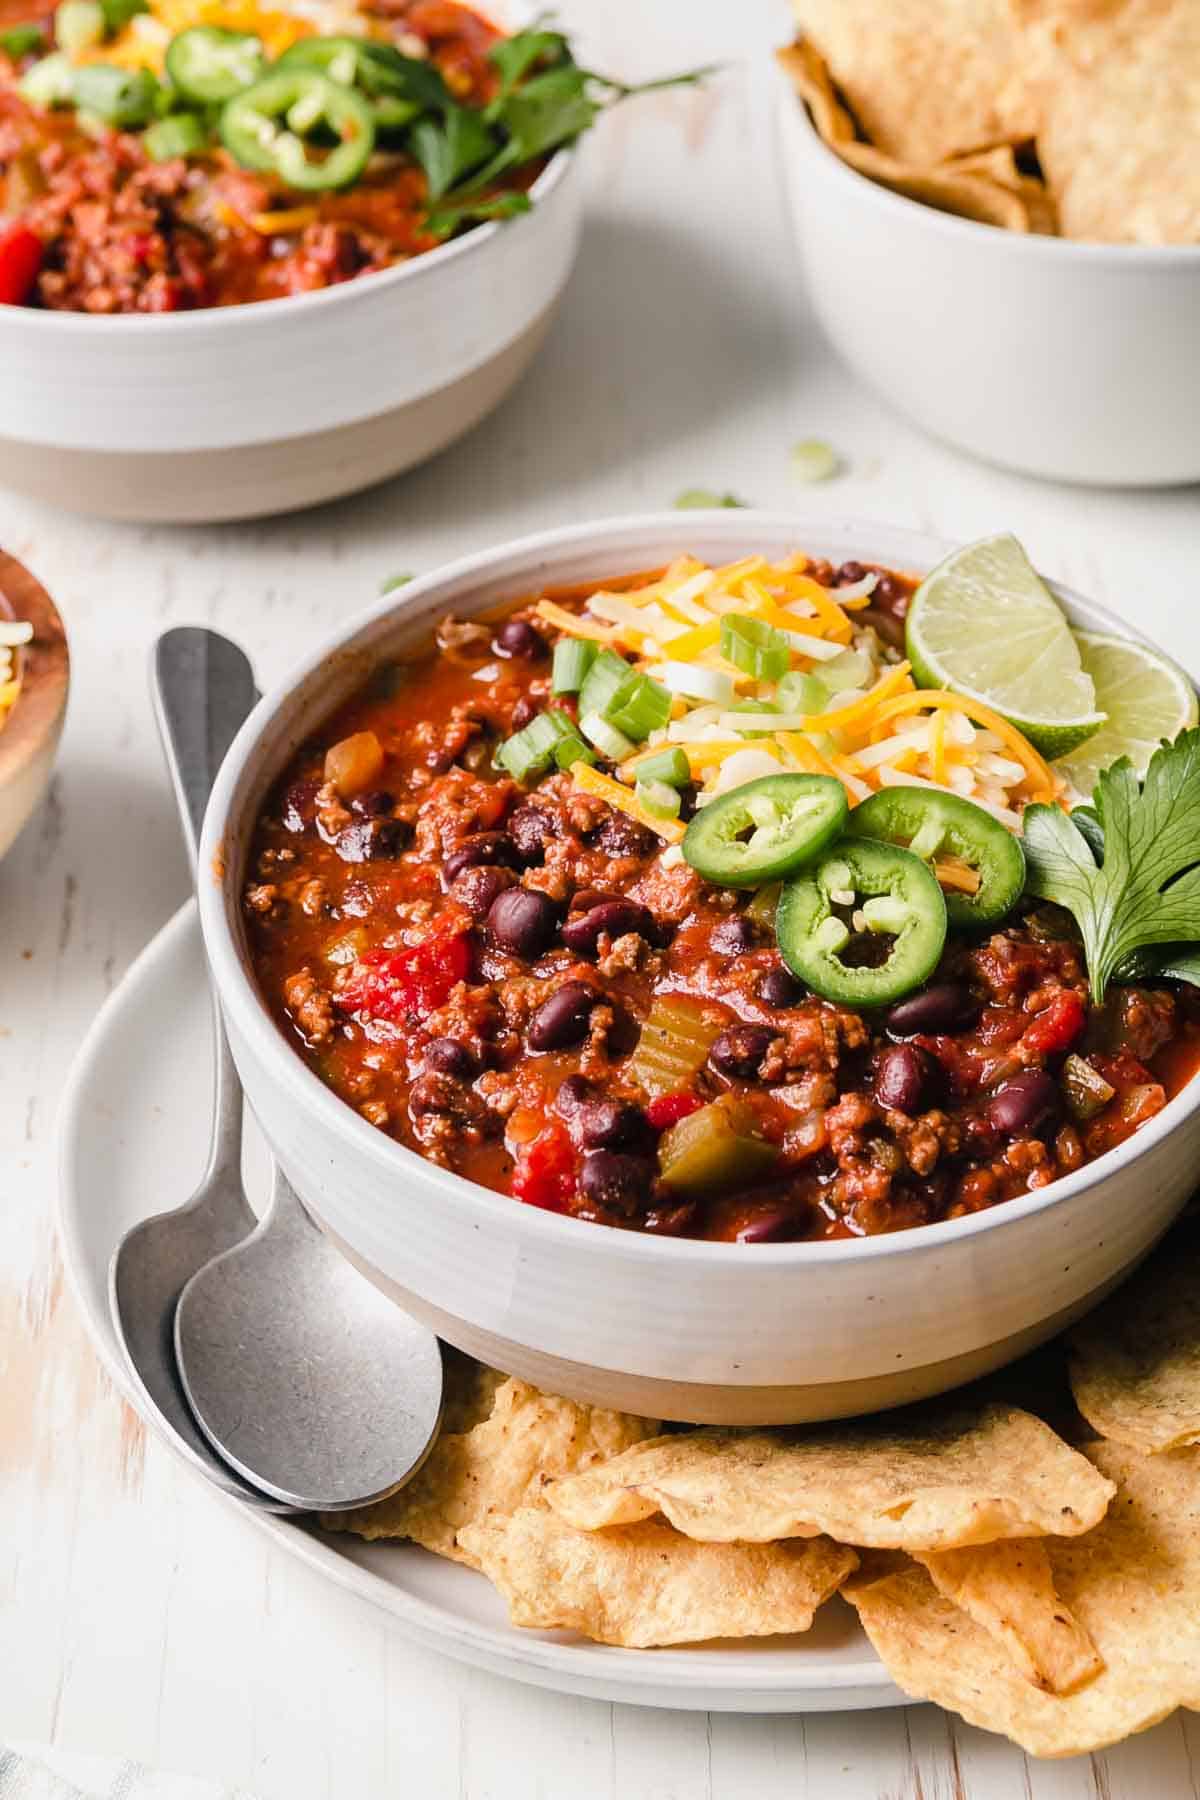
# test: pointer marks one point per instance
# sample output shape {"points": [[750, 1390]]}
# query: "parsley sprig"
{"points": [[1131, 877], [544, 100]]}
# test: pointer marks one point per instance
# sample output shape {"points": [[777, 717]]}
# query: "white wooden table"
{"points": [[137, 1616]]}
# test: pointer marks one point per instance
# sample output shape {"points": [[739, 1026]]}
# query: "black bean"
{"points": [[779, 988], [622, 836], [733, 935], [849, 573], [946, 1006], [624, 1033], [738, 1051], [890, 629], [531, 828], [522, 922], [562, 1020], [517, 637], [575, 1093], [373, 805], [478, 889], [1023, 1103], [449, 1057], [889, 594], [901, 1075], [438, 1093], [612, 1125], [299, 809], [372, 840], [484, 847], [768, 1227], [581, 933], [617, 1183]]}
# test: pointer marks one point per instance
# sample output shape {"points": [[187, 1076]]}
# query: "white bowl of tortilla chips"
{"points": [[1000, 217]]}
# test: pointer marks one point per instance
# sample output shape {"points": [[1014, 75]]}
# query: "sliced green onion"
{"points": [[850, 670], [813, 460], [573, 657], [608, 740], [659, 800], [532, 750], [760, 724], [49, 82], [754, 647], [798, 693], [607, 673], [639, 706], [572, 749], [22, 40], [182, 134], [696, 682], [79, 25], [118, 96], [671, 766]]}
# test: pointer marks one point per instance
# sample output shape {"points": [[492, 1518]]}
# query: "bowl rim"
{"points": [[39, 320], [1038, 246], [37, 713], [482, 1207]]}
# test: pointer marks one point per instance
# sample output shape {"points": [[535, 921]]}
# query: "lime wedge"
{"points": [[985, 625], [1146, 698]]}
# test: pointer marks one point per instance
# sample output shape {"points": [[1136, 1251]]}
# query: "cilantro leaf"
{"points": [[514, 57], [444, 220], [1147, 890], [704, 500], [451, 147]]}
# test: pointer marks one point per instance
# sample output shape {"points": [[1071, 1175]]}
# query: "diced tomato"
{"points": [[397, 984], [545, 1174], [1056, 1028], [668, 1109], [21, 252]]}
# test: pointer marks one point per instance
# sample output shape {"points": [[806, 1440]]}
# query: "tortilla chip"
{"points": [[1135, 1363], [915, 1482], [926, 79], [968, 193], [493, 1468], [469, 1390], [1119, 133], [1133, 1584], [1009, 1589], [643, 1585]]}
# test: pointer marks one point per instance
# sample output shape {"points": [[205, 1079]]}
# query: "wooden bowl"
{"points": [[29, 737]]}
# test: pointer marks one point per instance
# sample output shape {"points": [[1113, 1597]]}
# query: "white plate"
{"points": [[133, 1137]]}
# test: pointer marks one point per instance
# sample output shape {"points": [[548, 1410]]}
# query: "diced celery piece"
{"points": [[676, 1039], [714, 1150]]}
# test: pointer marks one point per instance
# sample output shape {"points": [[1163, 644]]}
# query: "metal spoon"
{"points": [[305, 1378], [203, 688]]}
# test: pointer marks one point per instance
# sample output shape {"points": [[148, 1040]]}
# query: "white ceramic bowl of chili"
{"points": [[238, 411], [1068, 360], [670, 1328]]}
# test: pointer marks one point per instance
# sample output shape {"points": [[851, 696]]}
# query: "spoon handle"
{"points": [[203, 690]]}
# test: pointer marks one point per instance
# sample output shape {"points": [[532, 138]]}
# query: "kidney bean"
{"points": [[890, 628], [614, 917], [483, 847], [373, 805], [526, 710], [622, 836], [612, 1125], [299, 809], [575, 1093], [531, 828], [478, 889], [372, 840], [889, 594], [449, 1057], [848, 573], [522, 922], [779, 988], [946, 1006], [738, 1051], [616, 1182], [768, 1227], [562, 1020], [1023, 1103], [624, 1032], [733, 935], [901, 1075], [517, 637]]}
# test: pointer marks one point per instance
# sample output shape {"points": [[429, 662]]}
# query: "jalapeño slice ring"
{"points": [[930, 824], [864, 926], [764, 829]]}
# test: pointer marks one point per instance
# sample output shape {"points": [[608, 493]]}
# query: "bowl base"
{"points": [[209, 487]]}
